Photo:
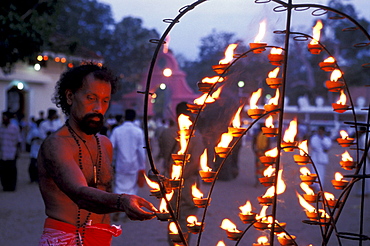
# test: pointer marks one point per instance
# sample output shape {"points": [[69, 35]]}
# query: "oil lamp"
{"points": [[222, 148], [273, 103], [338, 182], [278, 226], [269, 130], [163, 214], [262, 222], [198, 199], [156, 190], [175, 180], [334, 84], [347, 162], [267, 198], [258, 46], [310, 196], [312, 213], [272, 81], [306, 176], [302, 158], [174, 233], [340, 106], [328, 64], [345, 140], [262, 241], [270, 157], [231, 231], [268, 179], [193, 225], [332, 202], [288, 143], [236, 130], [207, 83], [285, 239], [314, 47], [224, 63], [254, 112], [275, 57], [206, 173], [246, 215]]}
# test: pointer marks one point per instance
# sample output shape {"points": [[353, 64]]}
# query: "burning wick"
{"points": [[302, 158], [328, 64], [289, 136], [262, 241], [193, 225], [340, 106], [334, 85], [258, 46], [272, 81], [338, 183], [206, 173], [347, 162], [306, 176], [314, 47], [270, 157], [254, 112], [224, 63], [275, 57], [345, 140], [230, 228], [246, 215], [198, 199]]}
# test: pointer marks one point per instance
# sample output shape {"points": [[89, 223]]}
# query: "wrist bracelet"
{"points": [[119, 201]]}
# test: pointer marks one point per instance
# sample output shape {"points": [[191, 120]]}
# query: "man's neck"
{"points": [[75, 127]]}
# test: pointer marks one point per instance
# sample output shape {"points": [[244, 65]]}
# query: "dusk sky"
{"points": [[237, 16]]}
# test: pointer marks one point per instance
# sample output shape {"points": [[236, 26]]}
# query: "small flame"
{"points": [[269, 122], [262, 214], [226, 139], [305, 171], [280, 183], [262, 240], [346, 156], [153, 185], [303, 148], [196, 192], [291, 132], [229, 53], [342, 99], [163, 204], [192, 220], [276, 51], [261, 32], [282, 235], [176, 172], [316, 32], [246, 209], [212, 80], [217, 93], [221, 243], [268, 172], [305, 204], [329, 196], [274, 73], [275, 100], [236, 121], [184, 124], [203, 162], [306, 188], [335, 75], [343, 134], [338, 176], [173, 228], [254, 99], [272, 152], [204, 99], [330, 59], [269, 192], [227, 225]]}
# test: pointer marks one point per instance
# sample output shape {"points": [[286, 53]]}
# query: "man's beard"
{"points": [[91, 127]]}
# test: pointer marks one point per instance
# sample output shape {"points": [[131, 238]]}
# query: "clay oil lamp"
{"points": [[276, 57], [257, 45], [310, 210], [314, 47], [155, 188], [345, 140], [232, 232], [262, 222], [270, 157], [338, 182], [236, 130], [310, 195], [288, 143], [347, 162], [184, 123], [254, 112], [285, 239], [340, 106], [328, 64], [198, 199], [207, 83], [334, 84], [273, 103], [269, 130], [267, 198], [302, 158], [175, 180], [268, 176], [222, 149], [272, 80], [262, 241], [206, 172], [224, 63], [278, 226], [200, 102], [332, 202], [163, 214], [174, 233], [306, 176], [246, 215], [193, 225]]}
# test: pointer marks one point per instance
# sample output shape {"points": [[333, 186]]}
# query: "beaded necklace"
{"points": [[96, 170]]}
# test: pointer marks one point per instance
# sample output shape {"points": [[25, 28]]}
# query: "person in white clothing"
{"points": [[128, 143], [51, 124], [319, 145]]}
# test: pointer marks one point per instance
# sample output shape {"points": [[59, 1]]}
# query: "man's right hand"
{"points": [[132, 205]]}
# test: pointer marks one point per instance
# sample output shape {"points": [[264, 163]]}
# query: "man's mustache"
{"points": [[93, 115]]}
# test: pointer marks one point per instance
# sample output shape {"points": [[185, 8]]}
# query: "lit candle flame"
{"points": [[226, 139], [221, 243], [330, 59], [196, 192], [338, 176], [236, 121], [305, 204], [217, 93], [275, 100], [268, 172], [305, 171], [246, 209], [229, 53], [227, 225], [151, 184], [274, 73], [204, 99], [316, 32], [173, 228], [184, 124], [203, 162], [329, 196], [306, 188], [176, 172], [212, 80], [342, 98], [343, 134], [272, 152], [291, 132], [163, 204], [346, 156], [269, 123], [261, 32], [276, 51], [280, 184], [192, 220], [335, 75], [303, 148], [254, 99], [262, 214], [262, 240]]}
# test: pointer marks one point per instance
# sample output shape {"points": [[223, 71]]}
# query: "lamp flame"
{"points": [[291, 132], [151, 184], [236, 121], [276, 51], [216, 94], [203, 162], [346, 156], [274, 73], [305, 171], [262, 240], [268, 172], [226, 139], [192, 220], [163, 204], [213, 79], [229, 53], [335, 75], [342, 98], [316, 32], [269, 123], [305, 204], [184, 124], [306, 188], [196, 192], [204, 99], [262, 214], [261, 32], [221, 243], [173, 228], [343, 134], [246, 209], [303, 147], [275, 100], [330, 59], [329, 196], [338, 176], [272, 152], [280, 184], [176, 172], [227, 225], [254, 99]]}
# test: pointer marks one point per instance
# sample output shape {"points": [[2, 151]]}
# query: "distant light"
{"points": [[154, 95], [57, 59], [46, 58], [39, 58], [20, 86], [152, 100], [70, 65], [162, 86], [167, 72], [241, 84], [37, 67], [63, 60], [268, 96]]}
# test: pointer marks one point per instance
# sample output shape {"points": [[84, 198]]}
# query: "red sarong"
{"points": [[58, 233]]}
